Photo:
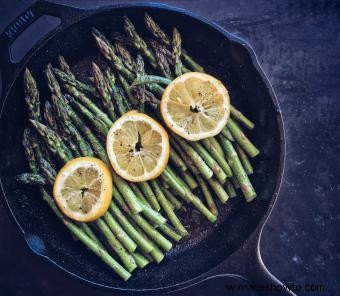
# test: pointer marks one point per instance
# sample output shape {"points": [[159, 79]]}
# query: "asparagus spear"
{"points": [[219, 190], [172, 198], [142, 243], [117, 93], [176, 52], [161, 36], [49, 116], [119, 232], [225, 132], [127, 260], [30, 179], [53, 141], [187, 195], [207, 195], [103, 90], [241, 138], [167, 209], [109, 53], [72, 81], [83, 99], [149, 194], [230, 189], [99, 126], [138, 42], [31, 95], [204, 169], [68, 126], [64, 66], [161, 58], [238, 170], [244, 159], [125, 56], [216, 155], [189, 179], [241, 118], [141, 222]]}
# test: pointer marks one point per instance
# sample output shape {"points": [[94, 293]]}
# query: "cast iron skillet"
{"points": [[231, 246]]}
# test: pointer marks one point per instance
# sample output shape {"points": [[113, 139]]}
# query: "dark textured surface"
{"points": [[297, 44]]}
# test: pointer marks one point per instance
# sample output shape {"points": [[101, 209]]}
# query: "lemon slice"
{"points": [[83, 189], [138, 147], [195, 106]]}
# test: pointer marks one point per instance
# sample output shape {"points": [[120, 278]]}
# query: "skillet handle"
{"points": [[247, 276], [244, 269], [27, 31], [266, 283]]}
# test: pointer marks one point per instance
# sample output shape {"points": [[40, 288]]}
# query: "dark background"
{"points": [[298, 46]]}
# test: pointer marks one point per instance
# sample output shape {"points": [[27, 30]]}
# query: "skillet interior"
{"points": [[208, 244]]}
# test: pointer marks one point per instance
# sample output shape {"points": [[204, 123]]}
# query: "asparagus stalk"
{"points": [[142, 243], [241, 138], [103, 90], [219, 190], [216, 155], [172, 198], [138, 42], [177, 161], [225, 132], [141, 222], [127, 259], [89, 232], [207, 195], [176, 52], [235, 183], [187, 195], [125, 56], [203, 168], [117, 94], [144, 79], [161, 59], [210, 161], [236, 114], [244, 159], [160, 35], [30, 179], [238, 170], [49, 116], [53, 141], [68, 126], [156, 254], [83, 99], [120, 233], [99, 126], [81, 126], [212, 141], [31, 96], [189, 179], [64, 66], [109, 53], [170, 232], [70, 79], [230, 189], [140, 260], [167, 209], [150, 196]]}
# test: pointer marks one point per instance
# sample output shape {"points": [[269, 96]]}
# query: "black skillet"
{"points": [[228, 248]]}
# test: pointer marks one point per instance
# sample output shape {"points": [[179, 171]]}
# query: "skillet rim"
{"points": [[254, 62]]}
